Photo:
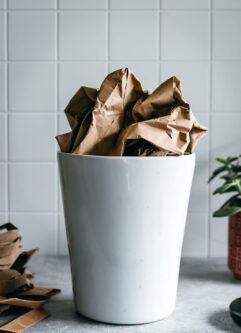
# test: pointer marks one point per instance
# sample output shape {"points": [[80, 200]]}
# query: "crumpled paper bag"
{"points": [[122, 119], [15, 286]]}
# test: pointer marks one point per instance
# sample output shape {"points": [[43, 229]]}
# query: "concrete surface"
{"points": [[206, 288]]}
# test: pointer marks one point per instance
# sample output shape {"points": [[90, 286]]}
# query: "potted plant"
{"points": [[230, 173]]}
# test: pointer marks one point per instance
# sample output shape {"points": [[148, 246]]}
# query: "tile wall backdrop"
{"points": [[49, 48]]}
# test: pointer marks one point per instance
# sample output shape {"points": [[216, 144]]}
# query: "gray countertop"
{"points": [[206, 288]]}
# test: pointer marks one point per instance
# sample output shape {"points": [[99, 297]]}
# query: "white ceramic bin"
{"points": [[125, 219]]}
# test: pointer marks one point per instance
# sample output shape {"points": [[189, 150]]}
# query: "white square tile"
{"points": [[202, 148], [194, 79], [2, 136], [82, 35], [74, 75], [63, 244], [219, 237], [226, 86], [31, 137], [32, 187], [3, 218], [227, 4], [2, 186], [225, 134], [146, 72], [199, 194], [32, 86], [83, 4], [133, 4], [2, 35], [32, 40], [31, 4], [184, 35], [37, 230], [2, 87], [2, 4], [133, 35], [185, 4], [226, 37], [196, 236]]}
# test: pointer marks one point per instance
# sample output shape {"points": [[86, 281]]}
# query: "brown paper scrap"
{"points": [[4, 307], [11, 280], [9, 245], [15, 287], [39, 291], [17, 259], [6, 248], [33, 297], [28, 319], [7, 262], [24, 258], [10, 235], [122, 119]]}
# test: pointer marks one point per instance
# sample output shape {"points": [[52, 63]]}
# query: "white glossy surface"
{"points": [[29, 87], [184, 29], [74, 44], [33, 82], [125, 219], [32, 187], [36, 92], [22, 126], [139, 26], [2, 87], [33, 39]]}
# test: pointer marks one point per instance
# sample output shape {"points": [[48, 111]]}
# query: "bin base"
{"points": [[123, 322]]}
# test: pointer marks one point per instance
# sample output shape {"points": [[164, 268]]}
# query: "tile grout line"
{"points": [[5, 119], [122, 10], [60, 111], [50, 162], [159, 42], [34, 212], [57, 219], [70, 61], [108, 36], [7, 169], [60, 212], [210, 124]]}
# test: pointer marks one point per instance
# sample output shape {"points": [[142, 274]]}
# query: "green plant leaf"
{"points": [[231, 168], [236, 168], [227, 177], [231, 189], [237, 184], [232, 159], [226, 188], [230, 201], [221, 160], [226, 211], [217, 172], [236, 201]]}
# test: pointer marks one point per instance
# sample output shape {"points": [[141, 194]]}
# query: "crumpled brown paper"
{"points": [[15, 286], [122, 119]]}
